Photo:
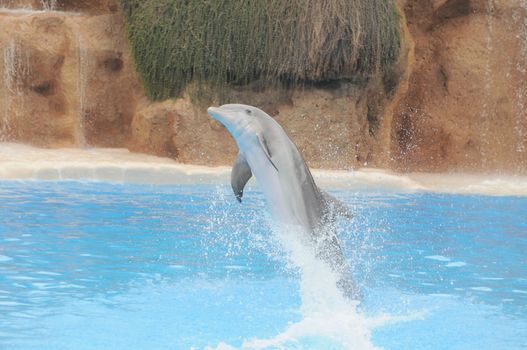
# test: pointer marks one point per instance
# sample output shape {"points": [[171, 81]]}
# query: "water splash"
{"points": [[48, 5], [329, 319]]}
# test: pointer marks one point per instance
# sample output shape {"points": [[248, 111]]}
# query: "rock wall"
{"points": [[455, 101], [338, 125], [465, 106], [334, 127], [67, 78]]}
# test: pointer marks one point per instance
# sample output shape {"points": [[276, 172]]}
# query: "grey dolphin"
{"points": [[266, 151]]}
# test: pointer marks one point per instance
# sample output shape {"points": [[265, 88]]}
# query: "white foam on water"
{"points": [[427, 284], [482, 289], [440, 295], [48, 273], [175, 266], [456, 264], [4, 258], [491, 278], [236, 267], [42, 285], [386, 319], [22, 162], [438, 258]]}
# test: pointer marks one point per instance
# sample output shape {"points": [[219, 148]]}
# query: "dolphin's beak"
{"points": [[219, 115], [214, 113], [229, 119], [211, 110]]}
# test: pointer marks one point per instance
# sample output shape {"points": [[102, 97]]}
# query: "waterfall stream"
{"points": [[486, 109], [49, 5], [16, 68], [82, 84], [521, 69], [8, 57], [17, 86]]}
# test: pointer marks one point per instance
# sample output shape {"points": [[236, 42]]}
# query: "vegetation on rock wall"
{"points": [[221, 42]]}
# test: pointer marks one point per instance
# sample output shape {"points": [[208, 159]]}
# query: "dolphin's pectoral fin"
{"points": [[240, 174], [335, 206], [263, 144]]}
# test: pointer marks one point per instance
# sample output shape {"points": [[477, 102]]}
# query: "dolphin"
{"points": [[266, 152]]}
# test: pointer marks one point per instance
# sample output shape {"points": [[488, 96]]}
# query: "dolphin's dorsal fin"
{"points": [[335, 206], [240, 174], [263, 144]]}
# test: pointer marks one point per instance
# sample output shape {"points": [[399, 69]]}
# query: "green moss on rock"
{"points": [[217, 43]]}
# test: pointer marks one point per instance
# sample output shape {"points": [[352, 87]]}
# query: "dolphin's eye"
{"points": [[248, 111]]}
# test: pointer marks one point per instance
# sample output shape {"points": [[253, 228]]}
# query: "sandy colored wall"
{"points": [[455, 101], [329, 125], [68, 79], [465, 106]]}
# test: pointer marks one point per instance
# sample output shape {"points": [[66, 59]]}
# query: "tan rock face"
{"points": [[457, 100], [67, 79], [465, 107], [330, 126], [80, 89], [154, 130], [108, 86], [34, 104]]}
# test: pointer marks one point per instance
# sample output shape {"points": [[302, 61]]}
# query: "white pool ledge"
{"points": [[21, 162]]}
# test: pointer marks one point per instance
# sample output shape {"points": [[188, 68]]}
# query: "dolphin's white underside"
{"points": [[283, 196]]}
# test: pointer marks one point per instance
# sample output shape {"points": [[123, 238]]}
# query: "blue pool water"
{"points": [[87, 265]]}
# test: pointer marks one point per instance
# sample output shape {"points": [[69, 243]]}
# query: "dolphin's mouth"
{"points": [[219, 115], [213, 112], [229, 121]]}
